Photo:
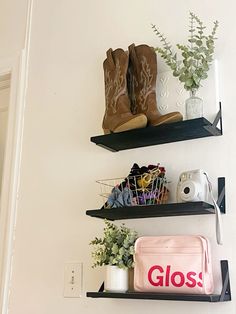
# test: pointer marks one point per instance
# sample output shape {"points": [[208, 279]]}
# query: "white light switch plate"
{"points": [[73, 280]]}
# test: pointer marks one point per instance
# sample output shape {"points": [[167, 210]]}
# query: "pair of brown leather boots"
{"points": [[130, 90]]}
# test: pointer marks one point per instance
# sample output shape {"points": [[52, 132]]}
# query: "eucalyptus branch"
{"points": [[166, 44], [192, 30], [216, 24], [196, 57]]}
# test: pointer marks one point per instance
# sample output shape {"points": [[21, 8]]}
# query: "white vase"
{"points": [[116, 279], [194, 106]]}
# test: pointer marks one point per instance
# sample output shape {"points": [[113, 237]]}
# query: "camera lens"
{"points": [[186, 190]]}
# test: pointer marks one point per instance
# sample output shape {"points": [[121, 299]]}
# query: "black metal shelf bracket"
{"points": [[213, 128], [221, 195], [101, 289], [225, 292]]}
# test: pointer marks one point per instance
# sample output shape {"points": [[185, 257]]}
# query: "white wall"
{"points": [[65, 105], [4, 103], [12, 27]]}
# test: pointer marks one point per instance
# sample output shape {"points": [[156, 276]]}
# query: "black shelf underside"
{"points": [[158, 296], [166, 133], [148, 211]]}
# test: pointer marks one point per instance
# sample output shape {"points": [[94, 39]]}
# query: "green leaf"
{"points": [[205, 66], [209, 59], [181, 71], [204, 76], [182, 78], [122, 251], [199, 43], [196, 79], [189, 82], [176, 73]]}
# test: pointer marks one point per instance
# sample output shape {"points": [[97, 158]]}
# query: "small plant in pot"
{"points": [[115, 250], [197, 57]]}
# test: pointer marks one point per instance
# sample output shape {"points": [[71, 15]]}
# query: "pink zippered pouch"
{"points": [[173, 264]]}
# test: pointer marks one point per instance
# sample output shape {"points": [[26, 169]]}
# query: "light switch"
{"points": [[73, 280]]}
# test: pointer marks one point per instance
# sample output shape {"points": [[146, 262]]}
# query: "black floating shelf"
{"points": [[162, 210], [148, 211], [156, 296], [166, 133], [224, 296]]}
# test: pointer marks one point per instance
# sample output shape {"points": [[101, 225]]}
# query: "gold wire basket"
{"points": [[139, 190]]}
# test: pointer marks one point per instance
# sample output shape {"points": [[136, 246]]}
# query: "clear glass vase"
{"points": [[194, 106]]}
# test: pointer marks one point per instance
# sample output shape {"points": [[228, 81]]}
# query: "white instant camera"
{"points": [[192, 187]]}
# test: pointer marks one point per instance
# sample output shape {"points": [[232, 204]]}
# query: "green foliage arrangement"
{"points": [[115, 248], [197, 55]]}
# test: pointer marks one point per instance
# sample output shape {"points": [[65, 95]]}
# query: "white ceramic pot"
{"points": [[116, 279]]}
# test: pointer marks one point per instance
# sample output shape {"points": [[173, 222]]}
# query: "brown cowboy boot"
{"points": [[118, 116], [142, 85]]}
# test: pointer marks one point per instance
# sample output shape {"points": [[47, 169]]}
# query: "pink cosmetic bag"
{"points": [[173, 264]]}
